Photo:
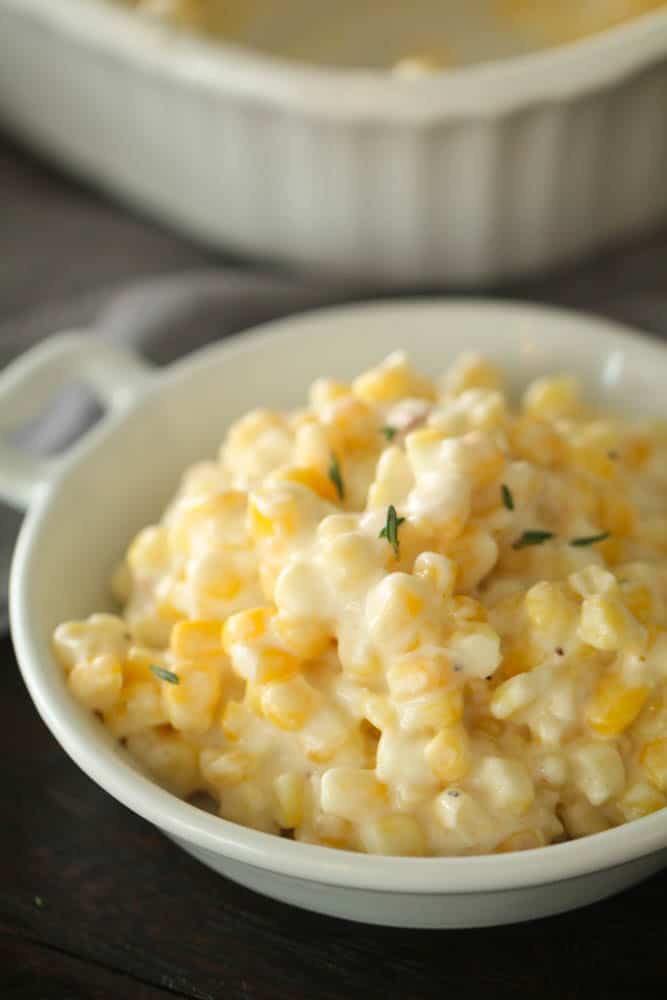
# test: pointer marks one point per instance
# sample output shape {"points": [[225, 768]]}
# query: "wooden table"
{"points": [[95, 904]]}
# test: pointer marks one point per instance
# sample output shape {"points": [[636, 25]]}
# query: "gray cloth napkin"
{"points": [[168, 317]]}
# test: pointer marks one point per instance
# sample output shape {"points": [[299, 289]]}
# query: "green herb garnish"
{"points": [[39, 902], [335, 475], [165, 675], [590, 539], [390, 530], [506, 494], [532, 538], [389, 432]]}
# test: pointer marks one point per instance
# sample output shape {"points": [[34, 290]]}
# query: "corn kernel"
{"points": [[169, 758], [640, 799], [547, 607], [475, 649], [448, 754], [537, 442], [640, 603], [225, 769], [614, 706], [653, 759], [313, 479], [327, 390], [438, 571], [507, 784], [234, 718], [466, 608], [581, 819], [140, 707], [431, 711], [246, 627], [607, 625], [475, 552], [195, 640], [302, 637], [522, 840], [192, 702], [418, 674], [352, 793], [288, 704], [598, 771], [395, 835], [148, 553], [98, 683], [551, 398], [471, 371], [279, 518], [289, 790], [616, 515], [393, 379], [461, 813]]}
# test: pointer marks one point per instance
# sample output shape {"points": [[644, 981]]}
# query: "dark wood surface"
{"points": [[94, 903]]}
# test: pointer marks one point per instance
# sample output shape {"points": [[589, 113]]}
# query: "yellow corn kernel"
{"points": [[488, 727], [547, 607], [614, 706], [194, 640], [607, 625], [448, 755], [168, 612], [616, 515], [640, 799], [302, 637], [139, 708], [250, 427], [536, 441], [290, 795], [379, 712], [192, 702], [466, 609], [438, 571], [138, 663], [199, 508], [414, 604], [475, 553], [636, 452], [592, 580], [393, 379], [639, 602], [169, 758], [352, 793], [148, 553], [233, 720], [327, 390], [653, 759], [395, 835], [246, 627], [418, 674], [484, 461], [592, 458], [225, 586], [522, 840], [364, 666], [551, 398], [275, 664], [520, 657], [471, 371], [313, 479], [269, 571], [288, 704], [280, 519], [351, 425], [425, 436], [97, 684], [432, 710], [226, 769]]}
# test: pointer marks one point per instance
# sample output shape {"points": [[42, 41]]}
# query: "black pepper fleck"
{"points": [[454, 794], [560, 651]]}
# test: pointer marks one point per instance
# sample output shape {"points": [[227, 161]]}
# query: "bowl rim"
{"points": [[177, 818], [484, 90]]}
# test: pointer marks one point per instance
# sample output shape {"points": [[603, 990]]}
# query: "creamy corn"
{"points": [[411, 617]]}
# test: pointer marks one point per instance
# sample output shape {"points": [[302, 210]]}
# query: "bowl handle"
{"points": [[28, 384]]}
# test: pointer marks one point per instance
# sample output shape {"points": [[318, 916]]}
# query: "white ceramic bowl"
{"points": [[84, 506], [473, 176]]}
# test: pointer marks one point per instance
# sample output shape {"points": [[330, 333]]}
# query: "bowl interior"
{"points": [[119, 478]]}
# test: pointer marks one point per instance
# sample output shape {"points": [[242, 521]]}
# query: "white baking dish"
{"points": [[477, 175], [85, 505]]}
